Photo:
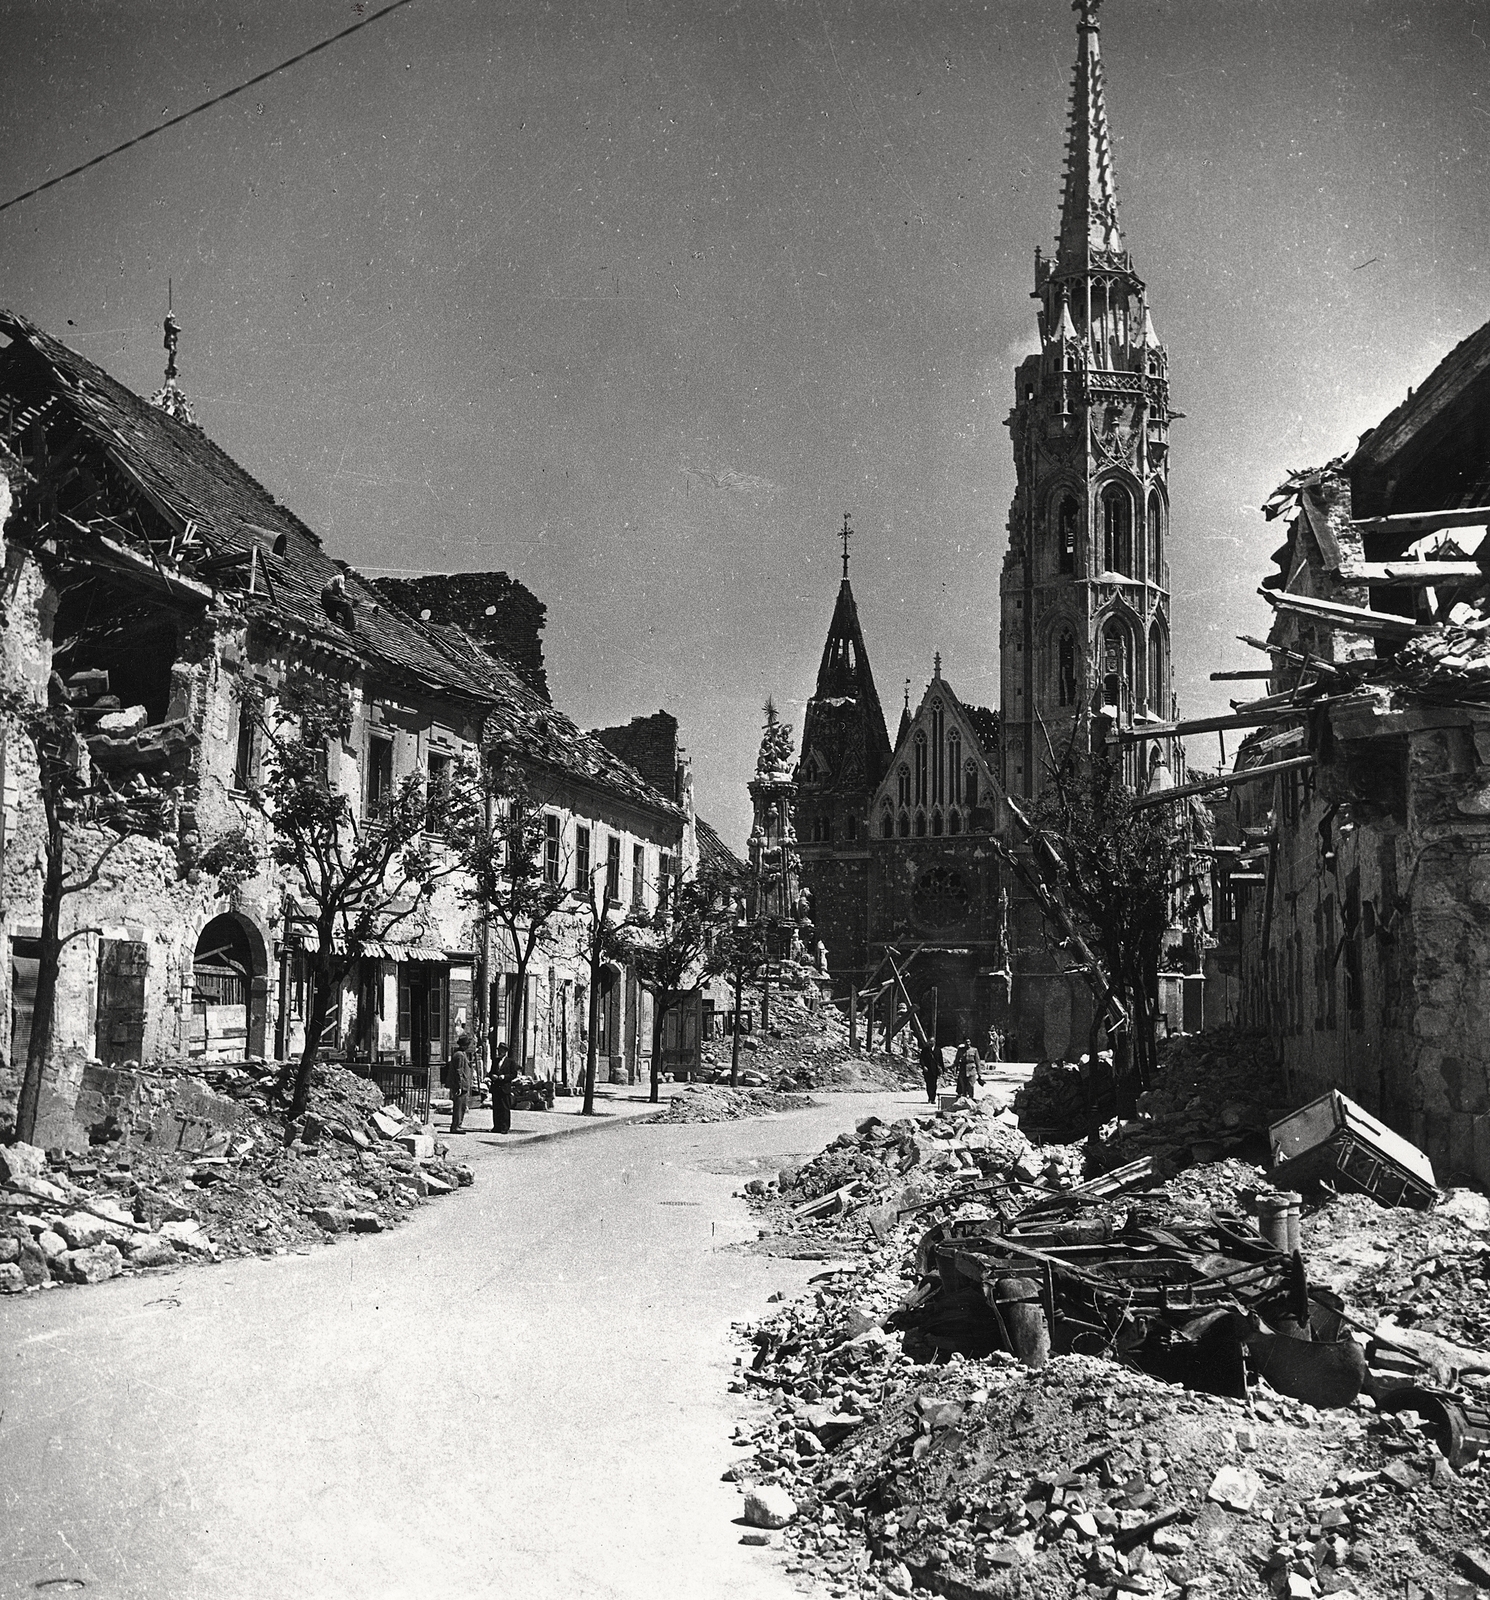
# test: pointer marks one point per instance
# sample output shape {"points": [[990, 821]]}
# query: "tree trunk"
{"points": [[39, 1048], [518, 1021], [660, 1009], [324, 984], [591, 1044], [734, 1060], [1122, 1064]]}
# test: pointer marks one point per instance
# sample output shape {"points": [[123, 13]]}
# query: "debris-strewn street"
{"points": [[520, 1391], [956, 1404]]}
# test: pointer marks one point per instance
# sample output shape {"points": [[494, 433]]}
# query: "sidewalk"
{"points": [[615, 1103]]}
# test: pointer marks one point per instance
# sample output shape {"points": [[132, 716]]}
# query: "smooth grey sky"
{"points": [[635, 299]]}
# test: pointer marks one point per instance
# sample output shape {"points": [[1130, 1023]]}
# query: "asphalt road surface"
{"points": [[521, 1392]]}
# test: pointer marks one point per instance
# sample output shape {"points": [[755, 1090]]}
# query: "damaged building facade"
{"points": [[1357, 893], [148, 579], [898, 844]]}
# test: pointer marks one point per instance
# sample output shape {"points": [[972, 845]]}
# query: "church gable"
{"points": [[940, 781]]}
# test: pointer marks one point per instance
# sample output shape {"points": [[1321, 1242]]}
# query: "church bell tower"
{"points": [[1084, 597]]}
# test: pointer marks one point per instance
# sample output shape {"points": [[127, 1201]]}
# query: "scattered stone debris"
{"points": [[917, 1467], [717, 1102], [138, 1201]]}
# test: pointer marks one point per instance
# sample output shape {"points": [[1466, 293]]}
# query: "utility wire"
{"points": [[206, 105]]}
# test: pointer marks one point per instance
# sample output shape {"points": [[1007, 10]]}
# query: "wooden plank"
{"points": [[1229, 780], [1411, 574], [1424, 521], [1232, 677], [1292, 656], [1349, 619], [1174, 730]]}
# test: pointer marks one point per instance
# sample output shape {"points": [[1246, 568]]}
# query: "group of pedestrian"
{"points": [[967, 1067], [465, 1073]]}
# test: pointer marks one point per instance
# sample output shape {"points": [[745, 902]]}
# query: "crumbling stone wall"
{"points": [[650, 744], [1375, 974], [497, 611]]}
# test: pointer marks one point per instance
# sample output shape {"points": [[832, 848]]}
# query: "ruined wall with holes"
{"points": [[1371, 965], [497, 611]]}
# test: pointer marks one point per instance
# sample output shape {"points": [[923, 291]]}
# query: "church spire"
{"points": [[1089, 211]]}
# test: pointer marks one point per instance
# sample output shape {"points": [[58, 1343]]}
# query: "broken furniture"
{"points": [[1332, 1140]]}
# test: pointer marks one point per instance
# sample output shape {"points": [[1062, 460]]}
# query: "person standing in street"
{"points": [[460, 1082], [969, 1069], [500, 1084], [931, 1068]]}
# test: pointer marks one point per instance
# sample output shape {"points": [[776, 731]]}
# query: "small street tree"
{"points": [[597, 930], [518, 873], [360, 876], [664, 947], [1115, 868], [81, 821], [738, 952]]}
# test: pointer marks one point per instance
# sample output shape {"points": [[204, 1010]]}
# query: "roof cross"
{"points": [[845, 533]]}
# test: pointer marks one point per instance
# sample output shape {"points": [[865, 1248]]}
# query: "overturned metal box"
{"points": [[1332, 1140]]}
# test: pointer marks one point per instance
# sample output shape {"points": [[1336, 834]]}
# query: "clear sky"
{"points": [[633, 299]]}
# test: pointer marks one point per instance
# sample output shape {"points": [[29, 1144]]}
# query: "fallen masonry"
{"points": [[922, 1455], [156, 1190]]}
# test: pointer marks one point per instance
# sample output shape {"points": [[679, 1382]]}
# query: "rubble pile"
{"points": [[138, 1200], [1213, 1093], [918, 1453], [717, 1102], [806, 1045], [1063, 1101], [859, 1184]]}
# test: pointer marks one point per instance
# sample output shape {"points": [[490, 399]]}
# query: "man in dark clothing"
{"points": [[931, 1068], [461, 1083], [501, 1092]]}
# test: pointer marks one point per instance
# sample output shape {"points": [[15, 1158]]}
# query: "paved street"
{"points": [[520, 1392]]}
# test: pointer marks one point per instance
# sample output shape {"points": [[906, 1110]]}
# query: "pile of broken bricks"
{"points": [[351, 1165]]}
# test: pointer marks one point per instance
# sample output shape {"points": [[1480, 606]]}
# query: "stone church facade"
{"points": [[902, 845]]}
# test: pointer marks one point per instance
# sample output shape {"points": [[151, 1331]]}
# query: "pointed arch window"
{"points": [[918, 761], [1065, 668], [1158, 670], [970, 784], [1066, 519], [1156, 538], [903, 784], [905, 824], [1117, 665], [954, 822], [920, 824], [936, 824], [887, 824], [1117, 530], [954, 764]]}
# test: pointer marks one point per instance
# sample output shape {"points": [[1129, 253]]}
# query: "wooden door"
{"points": [[120, 1029]]}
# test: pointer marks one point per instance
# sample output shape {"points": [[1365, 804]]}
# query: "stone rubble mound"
{"points": [[918, 1472], [353, 1165]]}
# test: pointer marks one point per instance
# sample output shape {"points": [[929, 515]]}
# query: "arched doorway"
{"points": [[223, 992]]}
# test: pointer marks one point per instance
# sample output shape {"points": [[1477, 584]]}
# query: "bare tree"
{"points": [[512, 853], [665, 946], [361, 876]]}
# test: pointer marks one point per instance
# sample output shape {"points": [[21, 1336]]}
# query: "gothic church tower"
{"points": [[1085, 587]]}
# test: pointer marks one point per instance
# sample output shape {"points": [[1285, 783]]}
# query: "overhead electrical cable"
{"points": [[206, 105]]}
